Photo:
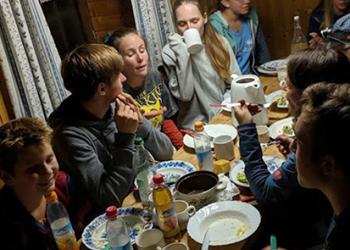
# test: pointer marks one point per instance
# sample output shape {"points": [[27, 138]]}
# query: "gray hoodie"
{"points": [[98, 158], [194, 82]]}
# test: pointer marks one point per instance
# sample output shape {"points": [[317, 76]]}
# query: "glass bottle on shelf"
{"points": [[299, 42]]}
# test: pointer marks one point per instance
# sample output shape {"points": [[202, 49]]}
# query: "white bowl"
{"points": [[228, 222]]}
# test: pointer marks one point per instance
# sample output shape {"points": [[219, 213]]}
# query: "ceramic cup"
{"points": [[193, 41], [183, 213], [174, 246], [223, 147], [263, 133], [150, 239], [198, 188]]}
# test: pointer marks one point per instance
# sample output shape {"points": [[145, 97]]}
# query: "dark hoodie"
{"points": [[98, 158]]}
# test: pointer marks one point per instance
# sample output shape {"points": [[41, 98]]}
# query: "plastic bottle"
{"points": [[61, 227], [299, 42], [143, 164], [116, 230], [163, 202], [202, 146]]}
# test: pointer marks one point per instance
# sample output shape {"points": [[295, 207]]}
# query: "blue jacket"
{"points": [[299, 217], [260, 50]]}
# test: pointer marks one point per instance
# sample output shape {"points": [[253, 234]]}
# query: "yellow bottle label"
{"points": [[168, 222]]}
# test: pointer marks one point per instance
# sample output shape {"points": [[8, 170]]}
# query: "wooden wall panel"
{"points": [[102, 16], [276, 18]]}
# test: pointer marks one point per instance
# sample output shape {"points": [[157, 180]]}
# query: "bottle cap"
{"points": [[52, 197], [296, 18], [158, 179], [111, 212], [138, 141], [198, 126]]}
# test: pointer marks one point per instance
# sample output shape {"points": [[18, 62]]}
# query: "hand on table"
{"points": [[284, 144], [244, 113], [127, 114]]}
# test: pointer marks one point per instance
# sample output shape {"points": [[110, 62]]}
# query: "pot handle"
{"points": [[222, 183], [191, 210]]}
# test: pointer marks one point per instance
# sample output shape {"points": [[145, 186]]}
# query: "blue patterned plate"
{"points": [[94, 234], [173, 170], [270, 68]]}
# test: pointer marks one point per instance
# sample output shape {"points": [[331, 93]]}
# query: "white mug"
{"points": [[263, 133], [193, 40], [223, 147], [183, 213], [150, 239]]}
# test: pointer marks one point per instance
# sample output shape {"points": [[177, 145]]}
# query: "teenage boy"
{"points": [[93, 139], [29, 168], [322, 161]]}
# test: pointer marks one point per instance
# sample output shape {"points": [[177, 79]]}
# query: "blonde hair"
{"points": [[216, 50], [88, 65], [328, 10], [19, 134]]}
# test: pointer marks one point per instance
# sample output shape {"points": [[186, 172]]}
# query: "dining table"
{"points": [[270, 84]]}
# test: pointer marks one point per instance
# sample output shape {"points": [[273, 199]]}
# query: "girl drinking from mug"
{"points": [[198, 79], [147, 88]]}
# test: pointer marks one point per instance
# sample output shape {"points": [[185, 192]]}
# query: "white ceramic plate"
{"points": [[270, 68], [213, 130], [272, 97], [94, 234], [273, 163], [228, 222], [276, 128]]}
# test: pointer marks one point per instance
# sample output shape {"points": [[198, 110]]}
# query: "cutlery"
{"points": [[273, 242], [235, 104], [206, 240]]}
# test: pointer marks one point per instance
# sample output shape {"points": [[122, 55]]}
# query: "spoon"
{"points": [[235, 104], [206, 240]]}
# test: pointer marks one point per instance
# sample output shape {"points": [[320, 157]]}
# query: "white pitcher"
{"points": [[248, 87]]}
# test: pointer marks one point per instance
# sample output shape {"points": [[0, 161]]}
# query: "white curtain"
{"points": [[154, 21], [29, 59]]}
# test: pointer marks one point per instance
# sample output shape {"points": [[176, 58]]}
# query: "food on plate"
{"points": [[242, 230], [282, 100], [241, 177], [287, 130]]}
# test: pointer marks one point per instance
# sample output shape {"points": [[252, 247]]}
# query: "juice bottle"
{"points": [[163, 202], [61, 227]]}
